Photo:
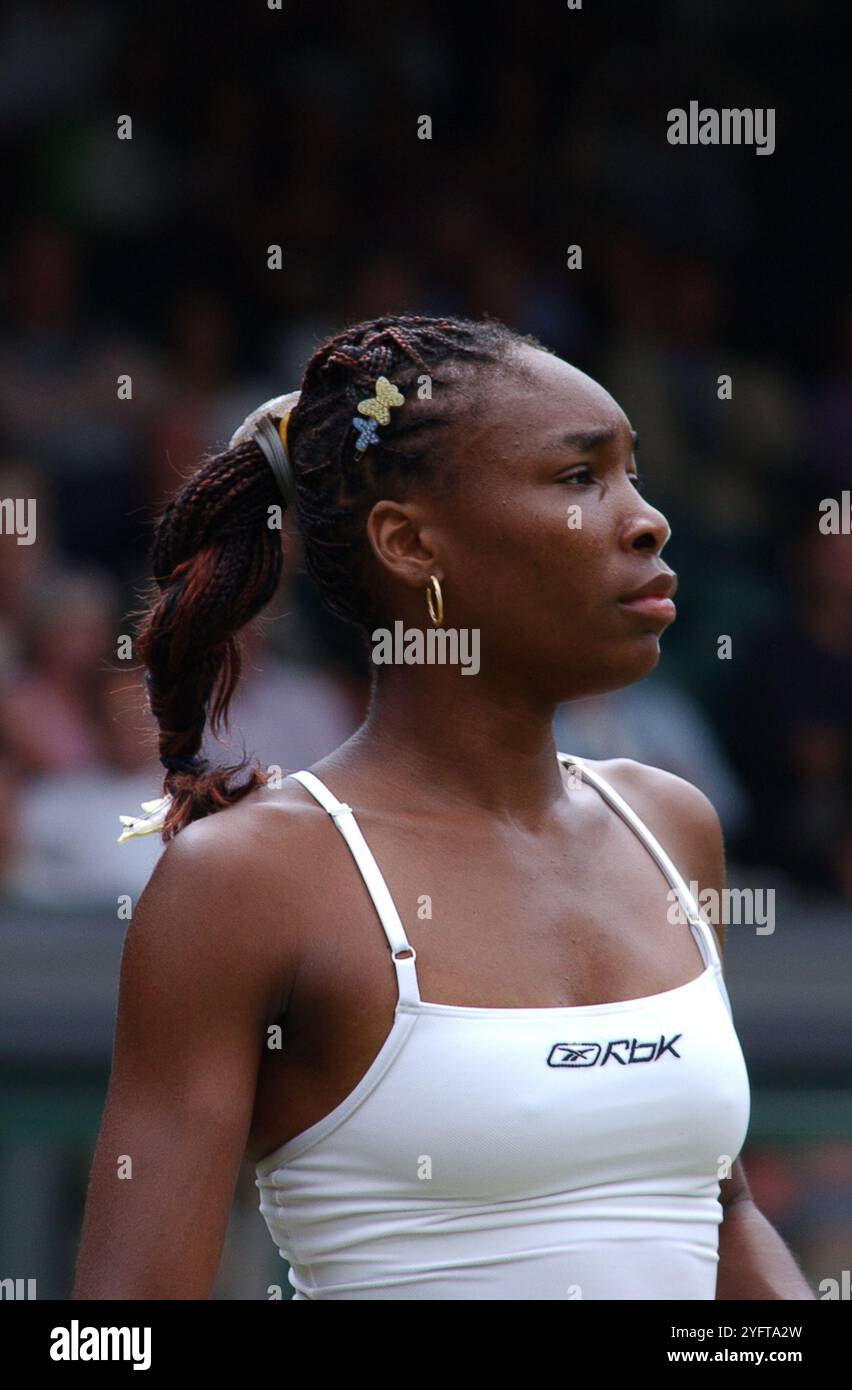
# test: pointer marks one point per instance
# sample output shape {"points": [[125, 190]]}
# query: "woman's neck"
{"points": [[453, 739]]}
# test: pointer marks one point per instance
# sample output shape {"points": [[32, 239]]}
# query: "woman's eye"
{"points": [[584, 477]]}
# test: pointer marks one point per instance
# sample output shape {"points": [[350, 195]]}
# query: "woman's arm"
{"points": [[754, 1262], [200, 979]]}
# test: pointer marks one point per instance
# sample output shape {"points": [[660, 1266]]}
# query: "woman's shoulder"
{"points": [[234, 890], [660, 791], [679, 815], [253, 861], [267, 831]]}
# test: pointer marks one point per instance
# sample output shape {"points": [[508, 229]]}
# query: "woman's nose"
{"points": [[645, 529]]}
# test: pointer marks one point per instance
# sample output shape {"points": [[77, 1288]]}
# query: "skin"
{"points": [[234, 931]]}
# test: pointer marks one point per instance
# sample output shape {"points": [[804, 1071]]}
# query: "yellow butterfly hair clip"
{"points": [[377, 406]]}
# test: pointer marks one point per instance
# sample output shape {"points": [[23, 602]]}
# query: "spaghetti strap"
{"points": [[344, 818], [409, 990], [701, 930]]}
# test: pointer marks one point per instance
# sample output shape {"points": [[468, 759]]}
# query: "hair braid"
{"points": [[216, 563]]}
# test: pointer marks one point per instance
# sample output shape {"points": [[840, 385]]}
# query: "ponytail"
{"points": [[216, 563]]}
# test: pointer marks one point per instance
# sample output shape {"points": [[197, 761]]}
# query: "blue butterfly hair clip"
{"points": [[368, 433]]}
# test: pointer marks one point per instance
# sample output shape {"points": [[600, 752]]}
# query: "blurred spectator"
{"points": [[66, 852], [201, 406], [668, 353], [793, 719], [830, 423], [284, 714], [59, 396], [48, 711], [22, 567], [655, 722]]}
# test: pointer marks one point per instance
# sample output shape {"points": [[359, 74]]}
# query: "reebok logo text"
{"points": [[621, 1050]]}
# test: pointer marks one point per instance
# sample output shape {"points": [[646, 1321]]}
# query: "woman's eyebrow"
{"points": [[590, 440]]}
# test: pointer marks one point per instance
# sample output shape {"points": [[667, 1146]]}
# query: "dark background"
{"points": [[148, 257]]}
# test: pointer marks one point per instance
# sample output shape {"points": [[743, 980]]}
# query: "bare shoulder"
{"points": [[233, 886], [261, 817], [250, 843], [673, 796], [678, 813]]}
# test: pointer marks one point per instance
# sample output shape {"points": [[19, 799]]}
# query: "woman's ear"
{"points": [[399, 536]]}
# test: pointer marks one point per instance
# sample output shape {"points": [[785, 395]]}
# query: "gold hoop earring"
{"points": [[437, 618]]}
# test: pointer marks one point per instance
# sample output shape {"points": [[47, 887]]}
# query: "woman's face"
{"points": [[544, 532]]}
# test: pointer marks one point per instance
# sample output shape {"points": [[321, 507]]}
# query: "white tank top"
{"points": [[520, 1153]]}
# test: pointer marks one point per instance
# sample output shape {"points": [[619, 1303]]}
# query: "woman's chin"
{"points": [[647, 652], [637, 662], [630, 667]]}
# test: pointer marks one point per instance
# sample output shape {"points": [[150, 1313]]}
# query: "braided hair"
{"points": [[217, 562]]}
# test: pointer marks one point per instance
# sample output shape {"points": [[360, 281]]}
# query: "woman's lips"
{"points": [[652, 606]]}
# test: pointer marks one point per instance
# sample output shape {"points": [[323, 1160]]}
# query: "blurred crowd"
{"points": [[145, 260]]}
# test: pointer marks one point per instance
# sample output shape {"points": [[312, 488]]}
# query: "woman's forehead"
{"points": [[549, 399]]}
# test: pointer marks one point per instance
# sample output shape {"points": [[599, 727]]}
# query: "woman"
{"points": [[545, 1104]]}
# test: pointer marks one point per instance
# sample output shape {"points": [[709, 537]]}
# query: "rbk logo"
{"points": [[621, 1050]]}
